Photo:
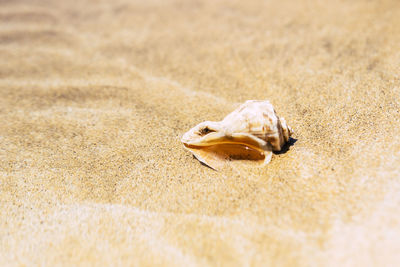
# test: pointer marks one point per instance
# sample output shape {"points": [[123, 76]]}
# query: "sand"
{"points": [[95, 96]]}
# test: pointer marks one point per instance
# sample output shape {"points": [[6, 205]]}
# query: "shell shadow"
{"points": [[286, 147]]}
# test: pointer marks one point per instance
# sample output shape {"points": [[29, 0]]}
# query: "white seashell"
{"points": [[250, 132]]}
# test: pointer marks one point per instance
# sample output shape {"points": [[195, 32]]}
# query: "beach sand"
{"points": [[95, 96]]}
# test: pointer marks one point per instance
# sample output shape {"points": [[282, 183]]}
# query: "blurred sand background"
{"points": [[95, 96]]}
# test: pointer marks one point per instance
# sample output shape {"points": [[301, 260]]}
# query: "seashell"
{"points": [[250, 132]]}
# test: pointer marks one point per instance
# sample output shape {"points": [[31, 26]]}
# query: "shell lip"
{"points": [[246, 141], [207, 140], [190, 146], [219, 138]]}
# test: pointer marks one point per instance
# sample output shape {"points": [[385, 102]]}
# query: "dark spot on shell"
{"points": [[205, 131]]}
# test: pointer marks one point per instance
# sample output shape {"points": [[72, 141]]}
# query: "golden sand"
{"points": [[95, 96]]}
